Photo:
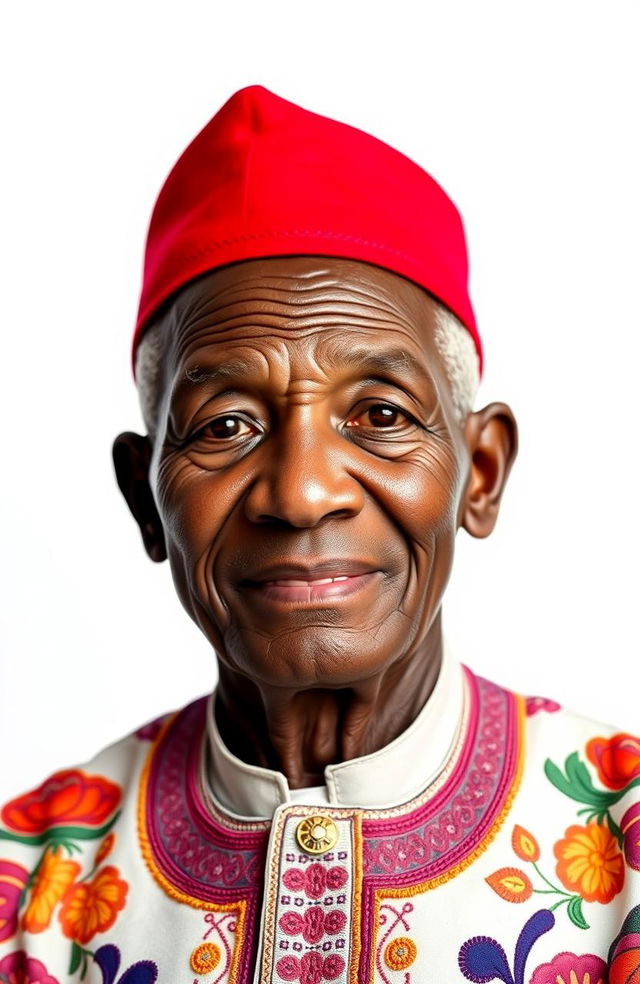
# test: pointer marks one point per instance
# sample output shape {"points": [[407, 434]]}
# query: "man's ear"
{"points": [[491, 435], [131, 459]]}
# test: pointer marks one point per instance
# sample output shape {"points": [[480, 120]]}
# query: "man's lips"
{"points": [[313, 582], [311, 571]]}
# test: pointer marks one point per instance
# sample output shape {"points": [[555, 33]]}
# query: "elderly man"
{"points": [[351, 804]]}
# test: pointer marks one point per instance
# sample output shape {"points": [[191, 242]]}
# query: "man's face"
{"points": [[306, 432]]}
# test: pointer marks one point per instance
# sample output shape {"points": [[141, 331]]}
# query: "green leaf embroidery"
{"points": [[61, 835], [576, 784], [574, 910], [76, 957]]}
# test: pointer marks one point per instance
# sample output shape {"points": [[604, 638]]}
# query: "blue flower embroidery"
{"points": [[482, 959], [108, 960]]}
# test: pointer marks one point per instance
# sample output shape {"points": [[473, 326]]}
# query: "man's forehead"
{"points": [[298, 297]]}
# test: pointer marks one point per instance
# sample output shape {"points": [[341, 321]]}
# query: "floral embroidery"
{"points": [[511, 884], [535, 704], [482, 959], [107, 958], [223, 926], [91, 907], [313, 924], [313, 918], [311, 968], [617, 759], [630, 827], [624, 953], [395, 949], [49, 884], [567, 968], [18, 968], [400, 953], [590, 863], [315, 880], [205, 957], [69, 807], [13, 880], [64, 800], [524, 844]]}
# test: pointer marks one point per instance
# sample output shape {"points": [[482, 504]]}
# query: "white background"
{"points": [[527, 113]]}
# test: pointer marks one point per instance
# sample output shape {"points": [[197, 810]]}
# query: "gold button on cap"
{"points": [[316, 835]]}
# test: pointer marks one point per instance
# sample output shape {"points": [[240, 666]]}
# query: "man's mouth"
{"points": [[308, 582], [312, 584]]}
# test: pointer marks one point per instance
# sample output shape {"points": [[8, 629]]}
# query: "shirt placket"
{"points": [[311, 925]]}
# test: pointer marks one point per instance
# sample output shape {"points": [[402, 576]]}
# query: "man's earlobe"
{"points": [[492, 440], [131, 459]]}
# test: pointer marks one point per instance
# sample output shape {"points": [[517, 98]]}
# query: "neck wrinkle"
{"points": [[386, 777]]}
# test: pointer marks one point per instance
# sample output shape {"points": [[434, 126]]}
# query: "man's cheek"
{"points": [[423, 501]]}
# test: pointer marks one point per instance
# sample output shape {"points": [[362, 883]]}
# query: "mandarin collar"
{"points": [[389, 777]]}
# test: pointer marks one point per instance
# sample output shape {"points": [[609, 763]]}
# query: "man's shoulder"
{"points": [[589, 760], [82, 800]]}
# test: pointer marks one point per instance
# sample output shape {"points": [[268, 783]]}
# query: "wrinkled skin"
{"points": [[329, 439]]}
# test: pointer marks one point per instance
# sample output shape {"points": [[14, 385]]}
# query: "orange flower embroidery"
{"points": [[617, 759], [524, 844], [590, 863], [53, 879], [66, 798], [92, 907], [400, 953], [205, 957], [511, 884]]}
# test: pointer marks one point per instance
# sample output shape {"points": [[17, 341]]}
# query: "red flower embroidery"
{"points": [[332, 967], [291, 923], [336, 878], [312, 968], [334, 922], [617, 759], [293, 879], [314, 924], [289, 968], [66, 798], [314, 880]]}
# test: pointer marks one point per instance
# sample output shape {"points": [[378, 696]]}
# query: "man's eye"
{"points": [[225, 427], [381, 416]]}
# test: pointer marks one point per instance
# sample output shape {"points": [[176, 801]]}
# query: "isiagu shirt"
{"points": [[498, 838]]}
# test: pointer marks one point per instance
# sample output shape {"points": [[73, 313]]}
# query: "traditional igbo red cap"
{"points": [[268, 178]]}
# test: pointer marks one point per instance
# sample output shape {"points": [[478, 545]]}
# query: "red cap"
{"points": [[268, 178]]}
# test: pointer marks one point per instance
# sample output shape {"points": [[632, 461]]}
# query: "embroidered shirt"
{"points": [[498, 838]]}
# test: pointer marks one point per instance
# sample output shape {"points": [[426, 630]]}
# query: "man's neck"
{"points": [[299, 733]]}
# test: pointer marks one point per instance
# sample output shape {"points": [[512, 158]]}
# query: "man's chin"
{"points": [[311, 656]]}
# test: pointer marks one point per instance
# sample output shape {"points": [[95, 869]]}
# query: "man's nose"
{"points": [[305, 477]]}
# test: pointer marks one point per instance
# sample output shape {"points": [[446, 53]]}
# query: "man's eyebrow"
{"points": [[228, 369], [396, 361]]}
